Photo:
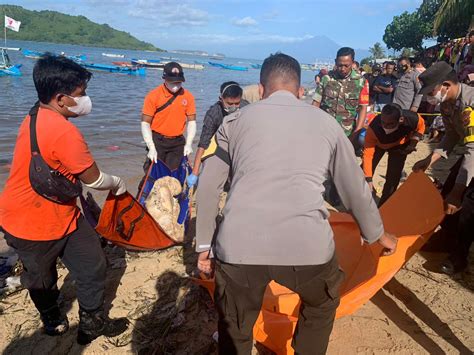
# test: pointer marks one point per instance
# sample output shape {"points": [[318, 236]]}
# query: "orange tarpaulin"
{"points": [[125, 222], [412, 214]]}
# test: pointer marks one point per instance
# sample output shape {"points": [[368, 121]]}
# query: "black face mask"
{"points": [[403, 68]]}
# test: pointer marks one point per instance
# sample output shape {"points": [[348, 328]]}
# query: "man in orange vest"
{"points": [[167, 110]]}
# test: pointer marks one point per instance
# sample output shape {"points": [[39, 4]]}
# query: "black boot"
{"points": [[53, 322], [453, 265], [94, 324]]}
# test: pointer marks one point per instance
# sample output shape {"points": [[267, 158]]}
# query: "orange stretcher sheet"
{"points": [[125, 222], [412, 214]]}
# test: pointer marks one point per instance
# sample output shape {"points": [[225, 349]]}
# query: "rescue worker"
{"points": [[167, 111], [396, 132], [42, 229]]}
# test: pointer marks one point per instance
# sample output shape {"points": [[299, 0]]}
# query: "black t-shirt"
{"points": [[385, 81]]}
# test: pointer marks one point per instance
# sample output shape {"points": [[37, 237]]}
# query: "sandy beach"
{"points": [[419, 311]]}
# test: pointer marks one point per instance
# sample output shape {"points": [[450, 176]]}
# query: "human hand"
{"points": [[187, 150], [205, 264], [120, 187], [414, 109], [422, 165], [389, 243], [191, 180], [409, 149], [453, 202], [152, 154]]}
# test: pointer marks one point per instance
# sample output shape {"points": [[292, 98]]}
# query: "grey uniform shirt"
{"points": [[406, 93], [455, 132], [281, 151]]}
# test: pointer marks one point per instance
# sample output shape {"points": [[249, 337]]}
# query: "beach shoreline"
{"points": [[418, 311]]}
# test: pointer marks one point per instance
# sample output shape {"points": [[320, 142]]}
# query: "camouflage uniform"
{"points": [[341, 97]]}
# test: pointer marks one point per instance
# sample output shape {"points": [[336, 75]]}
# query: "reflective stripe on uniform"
{"points": [[469, 130]]}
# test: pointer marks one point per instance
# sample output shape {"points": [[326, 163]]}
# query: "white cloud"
{"points": [[169, 13], [245, 22]]}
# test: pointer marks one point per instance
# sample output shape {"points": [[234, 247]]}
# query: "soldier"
{"points": [[344, 94]]}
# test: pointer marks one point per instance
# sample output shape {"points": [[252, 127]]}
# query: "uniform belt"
{"points": [[167, 137]]}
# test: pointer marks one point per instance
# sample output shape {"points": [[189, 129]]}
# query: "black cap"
{"points": [[172, 71], [433, 76], [376, 66]]}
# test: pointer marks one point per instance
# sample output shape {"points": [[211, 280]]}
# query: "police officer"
{"points": [[440, 83]]}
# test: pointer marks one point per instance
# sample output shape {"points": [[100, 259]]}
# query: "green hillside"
{"points": [[55, 27]]}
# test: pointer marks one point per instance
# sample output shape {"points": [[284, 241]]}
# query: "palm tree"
{"points": [[454, 17], [377, 51]]}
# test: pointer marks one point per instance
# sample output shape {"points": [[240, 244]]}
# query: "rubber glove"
{"points": [[191, 132], [148, 138], [191, 180], [109, 182]]}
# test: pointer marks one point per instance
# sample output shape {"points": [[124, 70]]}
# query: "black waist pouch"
{"points": [[44, 180]]}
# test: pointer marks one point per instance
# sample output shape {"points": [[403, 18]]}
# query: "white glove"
{"points": [[190, 133], [109, 182], [152, 154], [148, 138], [121, 188], [187, 150]]}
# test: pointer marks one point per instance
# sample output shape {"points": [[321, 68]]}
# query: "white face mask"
{"points": [[438, 98], [432, 100], [173, 87], [231, 109], [389, 130], [83, 105]]}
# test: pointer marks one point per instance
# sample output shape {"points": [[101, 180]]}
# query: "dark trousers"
{"points": [[239, 296], [82, 255], [466, 224], [395, 164], [170, 150]]}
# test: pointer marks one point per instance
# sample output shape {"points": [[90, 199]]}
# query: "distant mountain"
{"points": [[317, 48], [55, 27]]}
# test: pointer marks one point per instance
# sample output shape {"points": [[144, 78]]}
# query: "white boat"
{"points": [[11, 49], [113, 55], [188, 65]]}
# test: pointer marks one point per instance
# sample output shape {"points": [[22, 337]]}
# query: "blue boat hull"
{"points": [[12, 71], [234, 67], [116, 69], [36, 55]]}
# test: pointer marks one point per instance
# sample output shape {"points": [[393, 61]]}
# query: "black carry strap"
{"points": [[169, 102], [223, 155], [33, 139], [120, 228], [44, 180]]}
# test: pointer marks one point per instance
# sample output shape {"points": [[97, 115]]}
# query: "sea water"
{"points": [[112, 129]]}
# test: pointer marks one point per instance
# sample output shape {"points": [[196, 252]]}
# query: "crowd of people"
{"points": [[251, 145]]}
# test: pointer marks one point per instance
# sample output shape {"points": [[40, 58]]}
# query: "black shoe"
{"points": [[94, 324], [453, 266], [53, 322]]}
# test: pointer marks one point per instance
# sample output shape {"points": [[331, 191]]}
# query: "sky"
{"points": [[237, 27]]}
